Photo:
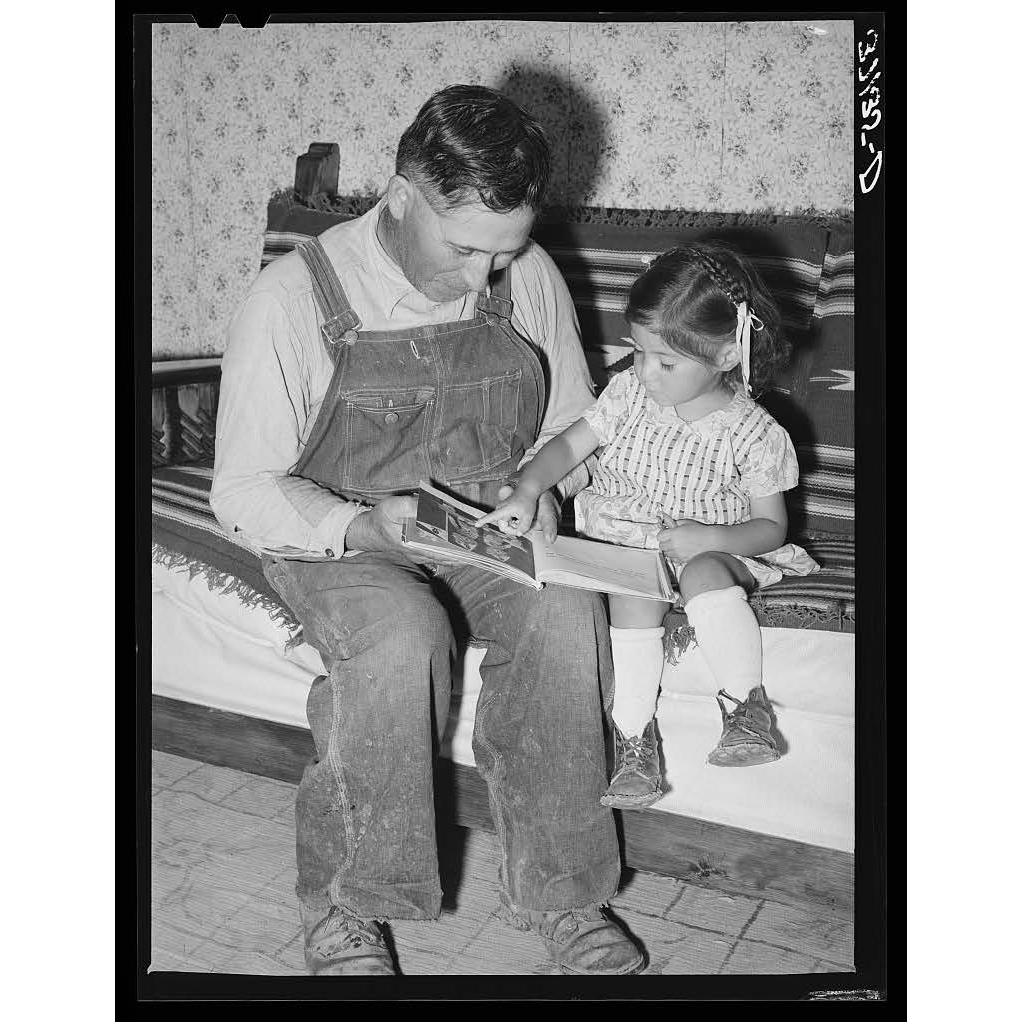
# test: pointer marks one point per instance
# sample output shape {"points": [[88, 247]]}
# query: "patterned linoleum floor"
{"points": [[223, 899]]}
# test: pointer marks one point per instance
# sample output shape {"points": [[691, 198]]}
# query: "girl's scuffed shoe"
{"points": [[746, 739], [636, 779]]}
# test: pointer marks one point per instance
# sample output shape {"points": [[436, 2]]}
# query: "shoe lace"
{"points": [[635, 749], [342, 928], [741, 717], [557, 925], [560, 925]]}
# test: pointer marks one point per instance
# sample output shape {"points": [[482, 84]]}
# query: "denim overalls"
{"points": [[457, 403]]}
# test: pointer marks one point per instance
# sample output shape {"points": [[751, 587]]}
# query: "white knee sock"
{"points": [[638, 664], [728, 634]]}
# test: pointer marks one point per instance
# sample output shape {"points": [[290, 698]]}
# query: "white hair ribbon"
{"points": [[747, 321]]}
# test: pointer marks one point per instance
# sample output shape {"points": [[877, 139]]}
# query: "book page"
{"points": [[453, 523], [602, 566]]}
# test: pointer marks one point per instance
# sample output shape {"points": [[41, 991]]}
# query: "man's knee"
{"points": [[416, 620], [562, 608], [379, 617]]}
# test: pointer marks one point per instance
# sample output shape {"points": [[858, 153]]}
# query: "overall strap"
{"points": [[498, 301], [340, 321]]}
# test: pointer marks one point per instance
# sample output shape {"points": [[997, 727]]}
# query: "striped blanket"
{"points": [[808, 266], [187, 537], [600, 261]]}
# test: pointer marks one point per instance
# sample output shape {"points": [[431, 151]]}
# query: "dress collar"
{"points": [[719, 417]]}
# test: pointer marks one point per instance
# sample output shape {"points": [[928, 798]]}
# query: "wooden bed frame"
{"points": [[726, 858], [709, 854]]}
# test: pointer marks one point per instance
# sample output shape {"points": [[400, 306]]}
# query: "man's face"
{"points": [[447, 253]]}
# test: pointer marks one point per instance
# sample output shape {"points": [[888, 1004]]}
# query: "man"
{"points": [[429, 338]]}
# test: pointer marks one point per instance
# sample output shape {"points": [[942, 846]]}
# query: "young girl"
{"points": [[692, 465]]}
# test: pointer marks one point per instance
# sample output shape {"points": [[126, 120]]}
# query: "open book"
{"points": [[444, 524]]}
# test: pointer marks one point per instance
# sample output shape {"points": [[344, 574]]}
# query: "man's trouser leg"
{"points": [[365, 819], [538, 736]]}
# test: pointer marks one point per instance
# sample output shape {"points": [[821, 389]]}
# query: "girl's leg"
{"points": [[714, 588], [636, 639]]}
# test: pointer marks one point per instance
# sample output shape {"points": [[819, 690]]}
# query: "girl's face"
{"points": [[668, 377]]}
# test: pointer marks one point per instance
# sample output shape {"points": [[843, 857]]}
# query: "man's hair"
{"points": [[469, 143]]}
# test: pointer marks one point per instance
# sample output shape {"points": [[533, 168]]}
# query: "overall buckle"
{"points": [[342, 327], [496, 306]]}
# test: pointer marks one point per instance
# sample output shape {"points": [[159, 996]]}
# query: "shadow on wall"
{"points": [[554, 100]]}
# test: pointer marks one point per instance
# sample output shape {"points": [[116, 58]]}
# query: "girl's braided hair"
{"points": [[689, 297]]}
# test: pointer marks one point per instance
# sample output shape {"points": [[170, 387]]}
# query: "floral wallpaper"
{"points": [[723, 116]]}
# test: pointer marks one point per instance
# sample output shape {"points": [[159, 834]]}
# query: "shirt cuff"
{"points": [[330, 536]]}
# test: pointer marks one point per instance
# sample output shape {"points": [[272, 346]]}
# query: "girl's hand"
{"points": [[514, 515], [548, 516], [683, 540]]}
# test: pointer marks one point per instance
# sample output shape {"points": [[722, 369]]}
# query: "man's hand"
{"points": [[548, 516], [380, 527], [683, 540]]}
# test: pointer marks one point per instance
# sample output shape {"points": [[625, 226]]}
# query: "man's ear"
{"points": [[399, 196]]}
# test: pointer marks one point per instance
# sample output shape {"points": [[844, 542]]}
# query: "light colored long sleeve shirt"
{"points": [[276, 370]]}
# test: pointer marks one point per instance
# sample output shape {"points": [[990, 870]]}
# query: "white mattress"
{"points": [[211, 649]]}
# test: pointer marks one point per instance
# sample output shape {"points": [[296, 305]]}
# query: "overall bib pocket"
{"points": [[479, 423], [385, 433]]}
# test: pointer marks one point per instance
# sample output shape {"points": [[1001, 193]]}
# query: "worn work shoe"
{"points": [[344, 945], [582, 942], [746, 739], [636, 779]]}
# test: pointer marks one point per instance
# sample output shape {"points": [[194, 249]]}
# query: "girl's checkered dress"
{"points": [[653, 461]]}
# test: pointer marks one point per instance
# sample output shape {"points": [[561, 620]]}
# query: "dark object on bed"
{"points": [[316, 171]]}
